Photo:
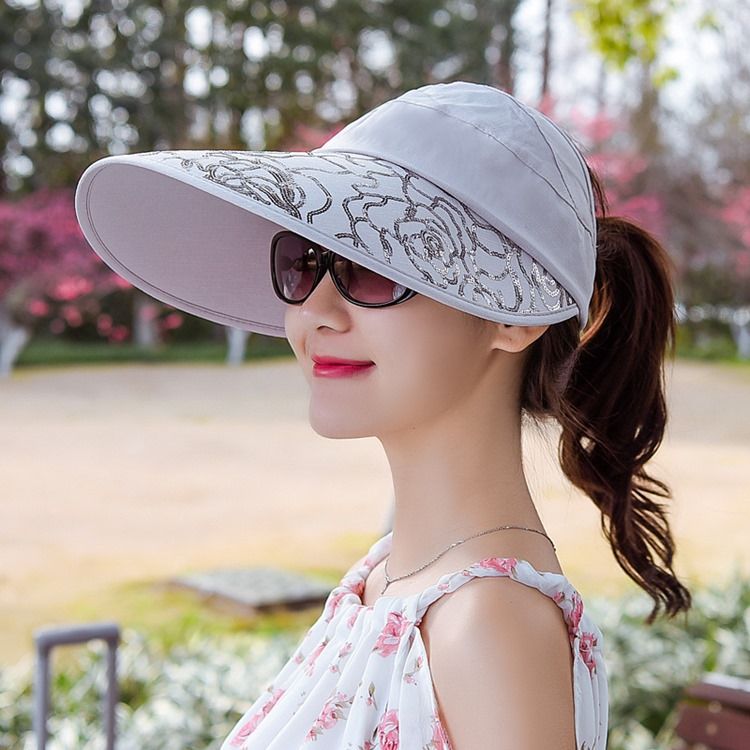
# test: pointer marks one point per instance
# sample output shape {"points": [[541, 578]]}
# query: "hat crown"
{"points": [[534, 138]]}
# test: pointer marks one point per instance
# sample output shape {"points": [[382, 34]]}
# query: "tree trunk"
{"points": [[546, 51]]}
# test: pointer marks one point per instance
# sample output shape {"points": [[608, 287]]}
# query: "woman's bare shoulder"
{"points": [[500, 659]]}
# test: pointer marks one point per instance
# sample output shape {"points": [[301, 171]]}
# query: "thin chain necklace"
{"points": [[389, 580]]}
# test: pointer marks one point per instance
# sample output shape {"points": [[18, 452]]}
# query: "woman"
{"points": [[441, 267]]}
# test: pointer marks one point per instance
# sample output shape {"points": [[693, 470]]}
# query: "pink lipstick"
{"points": [[335, 367]]}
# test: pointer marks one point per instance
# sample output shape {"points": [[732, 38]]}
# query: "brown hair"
{"points": [[605, 386]]}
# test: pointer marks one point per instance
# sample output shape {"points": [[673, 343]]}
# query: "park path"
{"points": [[122, 473]]}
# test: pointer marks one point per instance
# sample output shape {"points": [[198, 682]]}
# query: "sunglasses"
{"points": [[298, 265]]}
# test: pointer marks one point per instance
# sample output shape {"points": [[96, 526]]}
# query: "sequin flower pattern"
{"points": [[400, 219]]}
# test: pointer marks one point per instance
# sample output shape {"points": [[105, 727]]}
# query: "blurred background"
{"points": [[138, 442]]}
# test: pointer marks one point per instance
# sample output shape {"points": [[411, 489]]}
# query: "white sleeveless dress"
{"points": [[360, 679]]}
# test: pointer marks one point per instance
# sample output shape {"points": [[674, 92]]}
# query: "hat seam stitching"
{"points": [[581, 160], [504, 145], [554, 157]]}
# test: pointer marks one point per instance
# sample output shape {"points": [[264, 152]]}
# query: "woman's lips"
{"points": [[340, 371]]}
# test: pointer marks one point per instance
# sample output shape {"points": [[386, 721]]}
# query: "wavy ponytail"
{"points": [[605, 386]]}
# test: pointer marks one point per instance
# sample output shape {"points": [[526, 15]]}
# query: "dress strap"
{"points": [[554, 585]]}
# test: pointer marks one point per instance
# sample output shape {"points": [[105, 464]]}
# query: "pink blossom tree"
{"points": [[724, 221], [612, 155], [736, 213], [50, 278]]}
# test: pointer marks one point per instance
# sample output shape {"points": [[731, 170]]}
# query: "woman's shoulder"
{"points": [[506, 646]]}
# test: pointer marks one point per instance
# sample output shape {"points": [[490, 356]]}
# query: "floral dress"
{"points": [[360, 679]]}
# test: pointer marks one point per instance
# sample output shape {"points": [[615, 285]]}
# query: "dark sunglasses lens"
{"points": [[295, 266], [365, 285]]}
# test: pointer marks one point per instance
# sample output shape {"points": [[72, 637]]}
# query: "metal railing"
{"points": [[46, 639]]}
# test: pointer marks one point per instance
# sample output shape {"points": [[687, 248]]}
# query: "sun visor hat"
{"points": [[456, 190]]}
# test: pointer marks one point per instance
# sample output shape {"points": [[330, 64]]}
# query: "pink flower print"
{"points": [[439, 736], [443, 586], [314, 656], [501, 564], [343, 651], [585, 648], [390, 636], [299, 657], [333, 602], [575, 614], [252, 724], [353, 619], [409, 676], [358, 587], [559, 597], [388, 730], [333, 711]]}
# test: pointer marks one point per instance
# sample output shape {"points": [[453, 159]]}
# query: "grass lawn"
{"points": [[51, 352], [56, 351]]}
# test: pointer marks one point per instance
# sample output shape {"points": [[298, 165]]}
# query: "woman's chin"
{"points": [[338, 425]]}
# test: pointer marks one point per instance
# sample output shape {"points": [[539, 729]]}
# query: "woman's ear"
{"points": [[513, 338]]}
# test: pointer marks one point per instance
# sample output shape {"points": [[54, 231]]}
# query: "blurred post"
{"points": [[236, 345], [46, 639]]}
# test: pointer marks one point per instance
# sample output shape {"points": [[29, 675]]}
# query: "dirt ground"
{"points": [[111, 474]]}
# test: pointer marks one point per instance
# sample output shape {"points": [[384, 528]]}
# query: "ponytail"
{"points": [[605, 386]]}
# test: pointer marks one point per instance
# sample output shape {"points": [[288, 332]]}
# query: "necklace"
{"points": [[389, 580]]}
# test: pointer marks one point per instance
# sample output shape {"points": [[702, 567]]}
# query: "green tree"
{"points": [[114, 77]]}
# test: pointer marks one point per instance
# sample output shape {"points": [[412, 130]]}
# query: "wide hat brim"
{"points": [[193, 229]]}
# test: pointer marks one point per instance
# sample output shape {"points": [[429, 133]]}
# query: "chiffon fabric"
{"points": [[360, 678]]}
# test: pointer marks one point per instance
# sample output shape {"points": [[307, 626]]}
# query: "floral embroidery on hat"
{"points": [[389, 208]]}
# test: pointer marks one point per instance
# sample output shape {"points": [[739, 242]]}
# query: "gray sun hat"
{"points": [[456, 190]]}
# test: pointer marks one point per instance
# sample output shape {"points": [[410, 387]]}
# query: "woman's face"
{"points": [[427, 357]]}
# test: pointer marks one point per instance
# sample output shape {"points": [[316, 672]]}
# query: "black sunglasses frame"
{"points": [[325, 260]]}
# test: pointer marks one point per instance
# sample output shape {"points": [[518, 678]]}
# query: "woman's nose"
{"points": [[325, 305]]}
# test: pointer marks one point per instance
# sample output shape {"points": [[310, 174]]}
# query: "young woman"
{"points": [[441, 267]]}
